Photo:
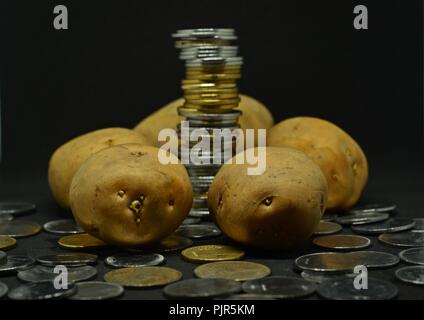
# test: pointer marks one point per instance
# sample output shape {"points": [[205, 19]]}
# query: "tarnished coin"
{"points": [[212, 253], [169, 244], [201, 288], [362, 218], [143, 276], [342, 242], [39, 274], [191, 221], [318, 276], [80, 241], [403, 239], [134, 260], [412, 274], [68, 259], [325, 227], [63, 226], [7, 242], [5, 217], [325, 262], [250, 296], [413, 255], [3, 289], [10, 207], [343, 289], [375, 207], [419, 224], [97, 290], [373, 259], [388, 226], [233, 270], [197, 231], [327, 216], [15, 263], [19, 228], [3, 257], [41, 291], [280, 287]]}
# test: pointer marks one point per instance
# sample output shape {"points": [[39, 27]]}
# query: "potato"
{"points": [[279, 209], [124, 196], [67, 159], [340, 158]]}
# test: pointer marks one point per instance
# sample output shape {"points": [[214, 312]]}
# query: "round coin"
{"points": [[318, 276], [39, 274], [419, 224], [373, 259], [16, 207], [80, 241], [134, 260], [143, 276], [325, 262], [197, 231], [329, 216], [68, 259], [63, 226], [388, 226], [403, 239], [7, 242], [191, 221], [362, 218], [412, 274], [375, 207], [169, 244], [342, 242], [3, 257], [232, 270], [5, 217], [326, 227], [41, 291], [211, 253], [15, 263], [97, 290], [413, 255], [3, 289], [250, 296], [201, 288], [19, 228]]}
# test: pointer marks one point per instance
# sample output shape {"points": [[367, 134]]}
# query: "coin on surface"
{"points": [[419, 224], [3, 257], [413, 255], [197, 231], [15, 263], [375, 207], [326, 227], [41, 291], [39, 274], [134, 260], [191, 221], [362, 218], [97, 290], [342, 242], [388, 226], [63, 226], [10, 207], [19, 228], [403, 239], [201, 288], [327, 216], [169, 244], [80, 241], [343, 289], [412, 274], [325, 261], [68, 259], [7, 242], [374, 259], [280, 287], [250, 296], [3, 289], [318, 276], [233, 270], [143, 276], [211, 253], [5, 217]]}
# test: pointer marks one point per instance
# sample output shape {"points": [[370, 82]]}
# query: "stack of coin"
{"points": [[211, 95]]}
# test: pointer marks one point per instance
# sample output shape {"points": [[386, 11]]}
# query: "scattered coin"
{"points": [[419, 224], [169, 244], [80, 241], [413, 255], [326, 227], [39, 274], [201, 288], [329, 216], [15, 263], [41, 291], [375, 207], [134, 260], [143, 276], [191, 220], [342, 242], [325, 262], [3, 289], [97, 290], [343, 289], [388, 226], [232, 270], [280, 287], [7, 242], [3, 257], [16, 207], [362, 218], [250, 296], [197, 231], [374, 259], [211, 253], [5, 217], [63, 226], [68, 259], [403, 239], [412, 274], [318, 276], [19, 228]]}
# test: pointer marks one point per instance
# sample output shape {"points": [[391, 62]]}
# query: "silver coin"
{"points": [[342, 242], [376, 207], [318, 276], [3, 289], [197, 231], [39, 274], [134, 260], [15, 263], [403, 239], [63, 226], [362, 218], [419, 224], [280, 287], [388, 226], [325, 262], [68, 259], [191, 221], [19, 228], [329, 216], [41, 291], [412, 274], [326, 227], [5, 217], [3, 257], [97, 290], [201, 288], [374, 259], [10, 207], [250, 296], [196, 213], [413, 255], [343, 289]]}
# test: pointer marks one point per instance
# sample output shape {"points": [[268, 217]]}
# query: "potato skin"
{"points": [[67, 159], [124, 196], [276, 210], [340, 158]]}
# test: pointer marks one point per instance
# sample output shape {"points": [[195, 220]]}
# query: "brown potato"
{"points": [[67, 159], [124, 196], [340, 158], [276, 210]]}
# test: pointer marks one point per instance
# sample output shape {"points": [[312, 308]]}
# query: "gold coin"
{"points": [[211, 95], [80, 241], [170, 243], [211, 90], [143, 276], [213, 68], [7, 242], [342, 242], [211, 253], [209, 85], [213, 102], [326, 227], [213, 76], [232, 270]]}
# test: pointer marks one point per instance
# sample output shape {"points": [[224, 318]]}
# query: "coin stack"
{"points": [[211, 96]]}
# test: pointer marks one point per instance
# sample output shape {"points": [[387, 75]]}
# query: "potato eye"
{"points": [[267, 201], [171, 202]]}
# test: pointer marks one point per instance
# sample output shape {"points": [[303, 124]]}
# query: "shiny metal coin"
{"points": [[201, 288], [68, 259], [39, 274], [41, 291], [249, 296], [412, 274], [3, 289], [373, 259], [198, 213], [403, 239], [419, 224], [97, 290], [343, 289], [388, 226], [326, 227], [413, 255], [5, 217], [280, 287], [318, 276], [19, 228], [197, 231], [362, 218], [13, 208], [63, 226], [232, 270], [143, 277], [325, 262], [342, 242], [191, 221], [3, 258], [374, 208], [7, 242], [134, 260], [15, 263]]}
